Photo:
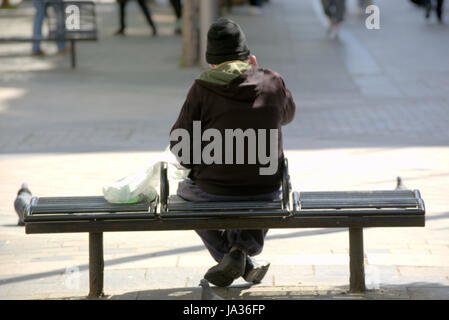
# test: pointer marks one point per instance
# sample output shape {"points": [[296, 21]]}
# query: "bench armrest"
{"points": [[164, 186]]}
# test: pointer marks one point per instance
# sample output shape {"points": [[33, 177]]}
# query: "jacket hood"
{"points": [[243, 87]]}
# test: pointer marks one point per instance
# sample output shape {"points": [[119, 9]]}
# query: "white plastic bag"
{"points": [[143, 184]]}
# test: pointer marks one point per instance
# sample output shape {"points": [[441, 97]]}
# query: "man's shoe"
{"points": [[231, 267], [255, 270], [120, 32]]}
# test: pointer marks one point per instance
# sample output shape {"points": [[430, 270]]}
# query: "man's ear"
{"points": [[253, 60]]}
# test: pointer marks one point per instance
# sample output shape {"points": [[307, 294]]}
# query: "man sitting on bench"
{"points": [[233, 101]]}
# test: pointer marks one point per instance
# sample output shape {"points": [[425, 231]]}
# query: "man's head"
{"points": [[226, 42]]}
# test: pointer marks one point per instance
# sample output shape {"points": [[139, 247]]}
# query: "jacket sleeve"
{"points": [[190, 112], [289, 107]]}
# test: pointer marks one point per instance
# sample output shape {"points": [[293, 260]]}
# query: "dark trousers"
{"points": [[145, 10], [219, 242], [177, 7], [334, 9], [256, 2]]}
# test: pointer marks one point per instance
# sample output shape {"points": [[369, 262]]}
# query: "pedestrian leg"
{"points": [[122, 5], [60, 26], [177, 7], [147, 14], [440, 10], [37, 25]]}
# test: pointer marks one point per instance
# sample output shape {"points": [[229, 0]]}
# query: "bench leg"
{"points": [[356, 261], [96, 264]]}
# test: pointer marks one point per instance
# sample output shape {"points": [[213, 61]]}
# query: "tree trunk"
{"points": [[190, 33], [5, 4]]}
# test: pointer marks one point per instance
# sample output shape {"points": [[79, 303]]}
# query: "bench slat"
{"points": [[358, 199], [175, 204], [90, 217], [226, 214], [359, 212], [91, 204], [358, 203], [357, 194]]}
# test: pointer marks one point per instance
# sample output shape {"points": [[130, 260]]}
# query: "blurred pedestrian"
{"points": [[335, 11], [146, 13], [255, 7], [22, 200], [39, 17], [430, 4], [177, 7]]}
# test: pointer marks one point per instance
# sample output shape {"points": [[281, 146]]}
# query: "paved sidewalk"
{"points": [[370, 108]]}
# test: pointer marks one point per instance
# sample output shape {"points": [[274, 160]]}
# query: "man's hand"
{"points": [[253, 60]]}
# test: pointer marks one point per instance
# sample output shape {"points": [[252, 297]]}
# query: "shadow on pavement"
{"points": [[117, 261], [416, 290]]}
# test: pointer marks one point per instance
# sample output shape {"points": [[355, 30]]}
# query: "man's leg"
{"points": [[37, 24], [251, 241], [216, 242], [147, 14], [220, 243]]}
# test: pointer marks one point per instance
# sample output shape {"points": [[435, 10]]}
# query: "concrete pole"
{"points": [[209, 12]]}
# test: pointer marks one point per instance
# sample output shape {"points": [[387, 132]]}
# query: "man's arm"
{"points": [[289, 107], [190, 112]]}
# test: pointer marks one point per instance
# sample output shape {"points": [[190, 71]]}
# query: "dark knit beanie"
{"points": [[225, 42]]}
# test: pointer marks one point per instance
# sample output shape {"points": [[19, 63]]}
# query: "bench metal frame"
{"points": [[304, 210]]}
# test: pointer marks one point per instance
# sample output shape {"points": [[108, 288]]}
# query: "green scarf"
{"points": [[225, 73]]}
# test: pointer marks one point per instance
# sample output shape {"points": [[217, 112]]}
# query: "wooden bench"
{"points": [[57, 30], [354, 210]]}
